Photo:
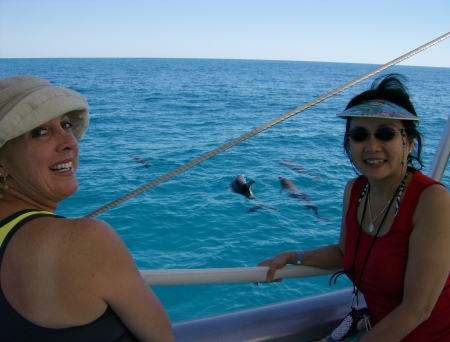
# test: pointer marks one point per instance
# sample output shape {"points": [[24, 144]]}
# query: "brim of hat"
{"points": [[42, 105], [345, 115], [378, 109]]}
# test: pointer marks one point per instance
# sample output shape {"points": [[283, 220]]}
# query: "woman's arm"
{"points": [[119, 283], [327, 257], [427, 269]]}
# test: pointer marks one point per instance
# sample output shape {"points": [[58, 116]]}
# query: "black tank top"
{"points": [[14, 327]]}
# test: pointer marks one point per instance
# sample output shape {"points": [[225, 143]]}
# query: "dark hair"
{"points": [[391, 88]]}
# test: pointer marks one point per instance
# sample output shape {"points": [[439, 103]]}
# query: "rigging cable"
{"points": [[262, 128]]}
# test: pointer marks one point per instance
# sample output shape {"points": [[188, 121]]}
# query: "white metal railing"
{"points": [[226, 275], [442, 154]]}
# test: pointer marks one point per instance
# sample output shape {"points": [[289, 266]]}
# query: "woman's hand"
{"points": [[277, 262]]}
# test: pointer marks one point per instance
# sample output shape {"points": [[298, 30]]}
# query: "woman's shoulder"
{"points": [[85, 225], [351, 182], [91, 234], [435, 194], [348, 192], [424, 180], [82, 227], [358, 181], [72, 229], [433, 204], [89, 249], [428, 191], [77, 241]]}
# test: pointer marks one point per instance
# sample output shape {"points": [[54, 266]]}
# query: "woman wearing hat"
{"points": [[395, 231], [60, 279]]}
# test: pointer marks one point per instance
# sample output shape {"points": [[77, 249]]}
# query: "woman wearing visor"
{"points": [[61, 279], [395, 231]]}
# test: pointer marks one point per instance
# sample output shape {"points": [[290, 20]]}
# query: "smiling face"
{"points": [[41, 164], [379, 158]]}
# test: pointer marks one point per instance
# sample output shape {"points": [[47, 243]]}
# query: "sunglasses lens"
{"points": [[359, 135], [385, 134]]}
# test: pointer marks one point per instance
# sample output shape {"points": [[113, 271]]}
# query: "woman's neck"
{"points": [[11, 203], [384, 189]]}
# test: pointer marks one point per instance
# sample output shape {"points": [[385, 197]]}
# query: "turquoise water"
{"points": [[171, 111]]}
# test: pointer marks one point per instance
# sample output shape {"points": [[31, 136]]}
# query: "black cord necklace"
{"points": [[397, 196]]}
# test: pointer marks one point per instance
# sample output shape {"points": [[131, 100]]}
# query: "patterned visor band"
{"points": [[378, 109]]}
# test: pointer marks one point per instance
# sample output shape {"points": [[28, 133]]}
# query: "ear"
{"points": [[411, 146], [3, 170]]}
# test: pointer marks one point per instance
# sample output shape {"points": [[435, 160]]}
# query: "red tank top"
{"points": [[383, 277]]}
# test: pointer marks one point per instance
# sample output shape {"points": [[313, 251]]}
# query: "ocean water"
{"points": [[167, 112]]}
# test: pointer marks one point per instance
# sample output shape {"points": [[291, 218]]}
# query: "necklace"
{"points": [[366, 191], [371, 226], [357, 282]]}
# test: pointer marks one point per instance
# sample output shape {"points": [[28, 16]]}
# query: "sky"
{"points": [[351, 31]]}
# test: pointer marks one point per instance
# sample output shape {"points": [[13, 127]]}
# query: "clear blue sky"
{"points": [[359, 31]]}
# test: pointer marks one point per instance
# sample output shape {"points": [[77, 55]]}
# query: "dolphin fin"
{"points": [[249, 184]]}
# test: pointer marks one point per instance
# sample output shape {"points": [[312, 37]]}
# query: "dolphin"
{"points": [[296, 167], [294, 192], [140, 160], [293, 166], [241, 186]]}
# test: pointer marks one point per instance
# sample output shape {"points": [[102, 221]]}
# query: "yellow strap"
{"points": [[4, 231]]}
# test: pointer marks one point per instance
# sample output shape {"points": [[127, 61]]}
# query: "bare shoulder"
{"points": [[94, 250], [349, 184], [112, 274], [348, 189], [435, 198], [85, 224], [347, 192], [85, 246], [84, 265], [77, 234], [432, 211], [93, 240], [435, 190]]}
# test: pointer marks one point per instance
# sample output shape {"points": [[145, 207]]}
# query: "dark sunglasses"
{"points": [[382, 134]]}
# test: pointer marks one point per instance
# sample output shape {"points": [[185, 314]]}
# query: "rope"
{"points": [[262, 128]]}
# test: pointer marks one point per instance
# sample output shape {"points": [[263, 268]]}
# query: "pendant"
{"points": [[371, 227]]}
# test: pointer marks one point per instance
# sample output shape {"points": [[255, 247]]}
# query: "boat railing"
{"points": [[442, 154], [226, 275]]}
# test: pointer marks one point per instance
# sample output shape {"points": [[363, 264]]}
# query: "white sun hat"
{"points": [[26, 102]]}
